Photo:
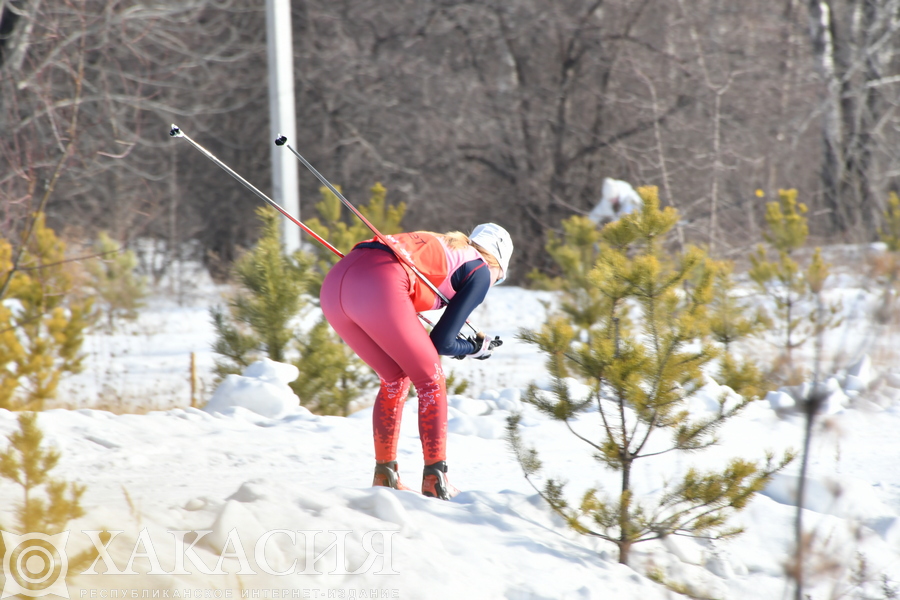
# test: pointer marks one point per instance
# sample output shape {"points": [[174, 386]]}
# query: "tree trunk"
{"points": [[625, 540], [22, 38], [833, 165]]}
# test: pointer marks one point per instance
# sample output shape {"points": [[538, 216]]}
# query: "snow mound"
{"points": [[845, 497], [835, 400], [860, 376], [780, 400], [262, 388]]}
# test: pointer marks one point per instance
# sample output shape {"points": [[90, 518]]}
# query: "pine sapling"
{"points": [[331, 377], [575, 253], [731, 320], [259, 318], [41, 333], [275, 291], [786, 284], [114, 281], [331, 225], [48, 504], [890, 269], [641, 374], [27, 464]]}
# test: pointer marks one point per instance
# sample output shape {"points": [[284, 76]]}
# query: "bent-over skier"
{"points": [[371, 299]]}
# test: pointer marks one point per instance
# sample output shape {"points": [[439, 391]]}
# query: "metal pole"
{"points": [[176, 132], [280, 47]]}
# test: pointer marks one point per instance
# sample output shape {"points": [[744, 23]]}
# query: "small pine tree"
{"points": [[575, 254], [113, 279], [890, 235], [42, 333], [330, 225], [730, 321], [259, 319], [784, 282], [384, 217], [331, 377], [47, 504], [25, 463], [641, 377]]}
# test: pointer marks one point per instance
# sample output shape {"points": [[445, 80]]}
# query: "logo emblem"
{"points": [[35, 565]]}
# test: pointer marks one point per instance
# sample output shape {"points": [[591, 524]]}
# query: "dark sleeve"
{"points": [[471, 282]]}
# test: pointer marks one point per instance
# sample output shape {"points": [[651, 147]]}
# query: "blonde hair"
{"points": [[456, 240]]}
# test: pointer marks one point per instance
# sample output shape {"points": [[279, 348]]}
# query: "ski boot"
{"points": [[435, 483], [387, 475]]}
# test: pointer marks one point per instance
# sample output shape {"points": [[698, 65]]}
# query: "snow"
{"points": [[263, 482], [262, 388]]}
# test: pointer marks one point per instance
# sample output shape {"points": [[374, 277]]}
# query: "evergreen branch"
{"points": [[581, 437], [21, 323], [626, 440], [606, 425], [651, 426], [733, 495], [661, 452], [552, 493], [68, 260]]}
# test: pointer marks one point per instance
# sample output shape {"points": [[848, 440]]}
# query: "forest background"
{"points": [[466, 111]]}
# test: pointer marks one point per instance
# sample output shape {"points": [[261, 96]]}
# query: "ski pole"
{"points": [[176, 132], [282, 141]]}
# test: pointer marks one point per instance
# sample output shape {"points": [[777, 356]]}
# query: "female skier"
{"points": [[371, 298]]}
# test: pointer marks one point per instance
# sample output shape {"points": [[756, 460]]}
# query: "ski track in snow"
{"points": [[191, 470]]}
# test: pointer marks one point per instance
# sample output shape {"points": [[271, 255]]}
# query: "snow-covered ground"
{"points": [[253, 482]]}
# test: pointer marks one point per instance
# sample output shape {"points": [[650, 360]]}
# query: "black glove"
{"points": [[484, 346]]}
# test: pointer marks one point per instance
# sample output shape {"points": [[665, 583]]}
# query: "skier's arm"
{"points": [[471, 282]]}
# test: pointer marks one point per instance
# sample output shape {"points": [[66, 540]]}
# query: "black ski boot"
{"points": [[388, 475], [435, 483]]}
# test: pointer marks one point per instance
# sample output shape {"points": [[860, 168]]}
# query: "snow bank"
{"points": [[236, 480], [253, 463], [845, 496], [860, 376], [262, 388]]}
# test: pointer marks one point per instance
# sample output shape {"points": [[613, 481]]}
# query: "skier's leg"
{"points": [[376, 298], [386, 417], [394, 388], [433, 417]]}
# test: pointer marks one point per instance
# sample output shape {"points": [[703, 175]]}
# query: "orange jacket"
{"points": [[434, 259]]}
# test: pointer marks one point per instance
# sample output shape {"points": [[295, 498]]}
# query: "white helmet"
{"points": [[497, 241]]}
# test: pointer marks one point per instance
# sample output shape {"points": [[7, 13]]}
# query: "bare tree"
{"points": [[466, 110], [857, 53], [126, 71]]}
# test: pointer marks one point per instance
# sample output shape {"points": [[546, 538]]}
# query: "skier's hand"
{"points": [[484, 346]]}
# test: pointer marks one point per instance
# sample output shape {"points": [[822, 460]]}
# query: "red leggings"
{"points": [[365, 298]]}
